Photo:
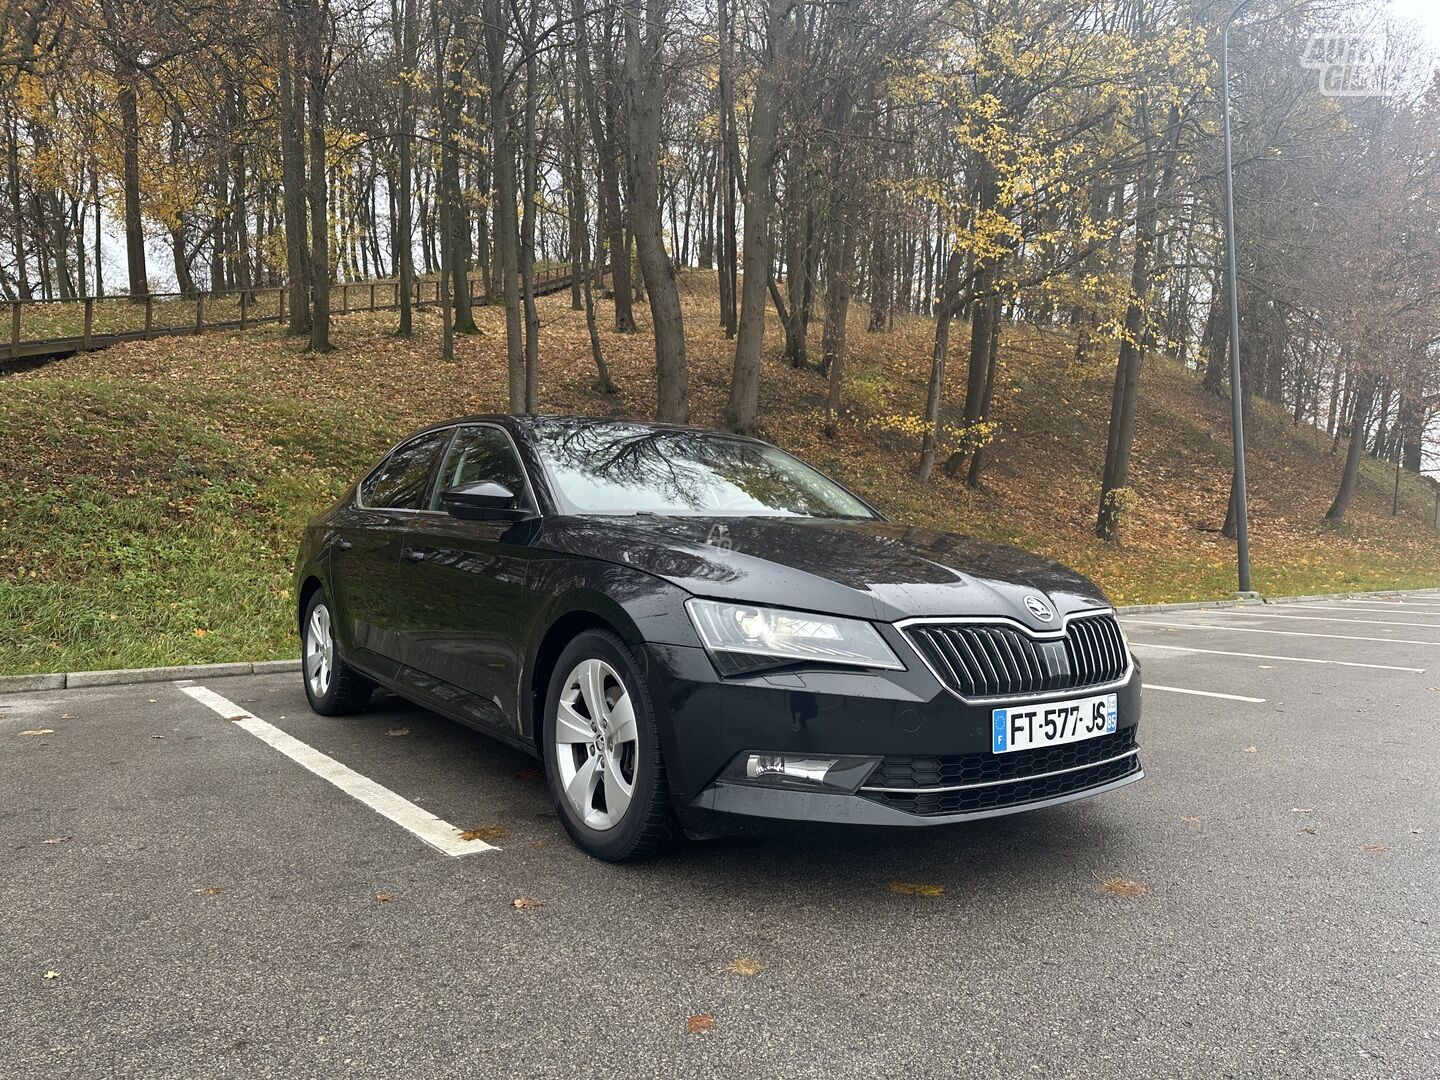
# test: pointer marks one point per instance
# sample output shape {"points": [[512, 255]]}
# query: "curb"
{"points": [[76, 680]]}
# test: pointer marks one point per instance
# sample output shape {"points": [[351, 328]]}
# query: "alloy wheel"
{"points": [[596, 744], [319, 651]]}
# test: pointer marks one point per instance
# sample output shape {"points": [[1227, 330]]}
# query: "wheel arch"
{"points": [[579, 612]]}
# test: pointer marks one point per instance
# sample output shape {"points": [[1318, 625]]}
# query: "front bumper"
{"points": [[933, 751]]}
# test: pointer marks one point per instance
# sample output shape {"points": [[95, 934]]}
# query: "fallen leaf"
{"points": [[383, 897], [157, 736], [745, 966], [910, 888], [62, 839], [524, 903], [242, 716], [199, 632], [700, 1022], [52, 974], [1252, 749], [1302, 809], [214, 890], [1190, 820], [398, 731], [67, 716], [1374, 849], [1417, 832], [484, 832], [39, 731], [1123, 887], [1310, 829]]}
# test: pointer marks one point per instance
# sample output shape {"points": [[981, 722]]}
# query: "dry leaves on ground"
{"points": [[395, 732], [1374, 849], [484, 832], [214, 890], [1252, 749], [524, 903], [1302, 809], [39, 731], [745, 966], [911, 888], [700, 1022], [1190, 820], [383, 897], [1122, 887], [56, 840], [52, 974]]}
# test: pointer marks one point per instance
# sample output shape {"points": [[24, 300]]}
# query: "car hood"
{"points": [[865, 569]]}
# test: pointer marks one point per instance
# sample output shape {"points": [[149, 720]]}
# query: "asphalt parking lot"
{"points": [[191, 895]]}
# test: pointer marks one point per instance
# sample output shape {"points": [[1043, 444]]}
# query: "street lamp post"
{"points": [[1237, 412]]}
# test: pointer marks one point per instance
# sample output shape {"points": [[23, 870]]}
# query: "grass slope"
{"points": [[152, 493]]}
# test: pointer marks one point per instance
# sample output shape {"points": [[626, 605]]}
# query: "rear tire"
{"points": [[332, 686], [603, 761]]}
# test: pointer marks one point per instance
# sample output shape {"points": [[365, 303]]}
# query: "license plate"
{"points": [[1053, 723]]}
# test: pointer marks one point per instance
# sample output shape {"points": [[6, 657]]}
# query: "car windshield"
{"points": [[631, 469]]}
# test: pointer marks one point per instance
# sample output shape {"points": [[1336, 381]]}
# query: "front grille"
{"points": [[951, 770], [1025, 789], [993, 660]]}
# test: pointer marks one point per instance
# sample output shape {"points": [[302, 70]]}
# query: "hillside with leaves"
{"points": [[155, 491]]}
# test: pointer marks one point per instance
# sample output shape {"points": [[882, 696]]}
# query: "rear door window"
{"points": [[480, 454], [401, 480]]}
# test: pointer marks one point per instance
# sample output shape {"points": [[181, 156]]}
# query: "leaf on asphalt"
{"points": [[242, 716], [1417, 832], [383, 897], [398, 731], [1190, 820], [157, 736], [39, 731], [1122, 887], [1374, 849], [745, 966], [524, 903], [911, 888], [1252, 749], [484, 832], [52, 974], [1311, 829], [1302, 809], [700, 1022], [62, 839], [68, 716], [214, 890]]}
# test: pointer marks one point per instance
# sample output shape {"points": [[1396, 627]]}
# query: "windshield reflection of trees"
{"points": [[695, 470]]}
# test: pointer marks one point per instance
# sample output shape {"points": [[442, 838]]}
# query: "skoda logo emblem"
{"points": [[1039, 608]]}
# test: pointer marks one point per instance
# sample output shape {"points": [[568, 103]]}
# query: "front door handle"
{"points": [[343, 544], [414, 554]]}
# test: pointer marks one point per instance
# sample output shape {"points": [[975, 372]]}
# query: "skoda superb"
{"points": [[697, 632]]}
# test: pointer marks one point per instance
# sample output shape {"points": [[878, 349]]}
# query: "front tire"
{"points": [[603, 760], [332, 686]]}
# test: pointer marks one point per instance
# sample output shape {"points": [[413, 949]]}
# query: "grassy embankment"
{"points": [[151, 494]]}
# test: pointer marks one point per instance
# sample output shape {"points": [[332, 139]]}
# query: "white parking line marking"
{"points": [[1406, 609], [1429, 602], [1282, 633], [440, 835], [1202, 693], [1328, 618], [1267, 656]]}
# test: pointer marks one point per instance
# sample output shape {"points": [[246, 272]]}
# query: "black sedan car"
{"points": [[697, 632]]}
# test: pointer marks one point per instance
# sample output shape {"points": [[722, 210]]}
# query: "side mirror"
{"points": [[479, 501]]}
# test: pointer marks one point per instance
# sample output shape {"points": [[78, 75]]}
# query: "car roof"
{"points": [[530, 420]]}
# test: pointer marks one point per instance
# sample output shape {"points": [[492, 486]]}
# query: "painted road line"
{"points": [[1408, 609], [1329, 618], [1282, 633], [1265, 656], [1426, 603], [1202, 693], [440, 835]]}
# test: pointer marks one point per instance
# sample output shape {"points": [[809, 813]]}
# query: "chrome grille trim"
{"points": [[1000, 659]]}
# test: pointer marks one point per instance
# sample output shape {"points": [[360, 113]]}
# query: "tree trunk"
{"points": [[404, 237], [764, 127], [317, 13], [292, 166], [1359, 422], [506, 227], [130, 135], [642, 60], [944, 314]]}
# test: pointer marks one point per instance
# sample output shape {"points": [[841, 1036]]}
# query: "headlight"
{"points": [[745, 637]]}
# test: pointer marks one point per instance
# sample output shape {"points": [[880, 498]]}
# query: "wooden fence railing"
{"points": [[54, 327]]}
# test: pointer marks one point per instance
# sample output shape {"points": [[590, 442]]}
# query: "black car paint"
{"points": [[488, 603]]}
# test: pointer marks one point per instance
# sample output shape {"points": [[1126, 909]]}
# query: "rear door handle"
{"points": [[414, 554], [343, 544]]}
